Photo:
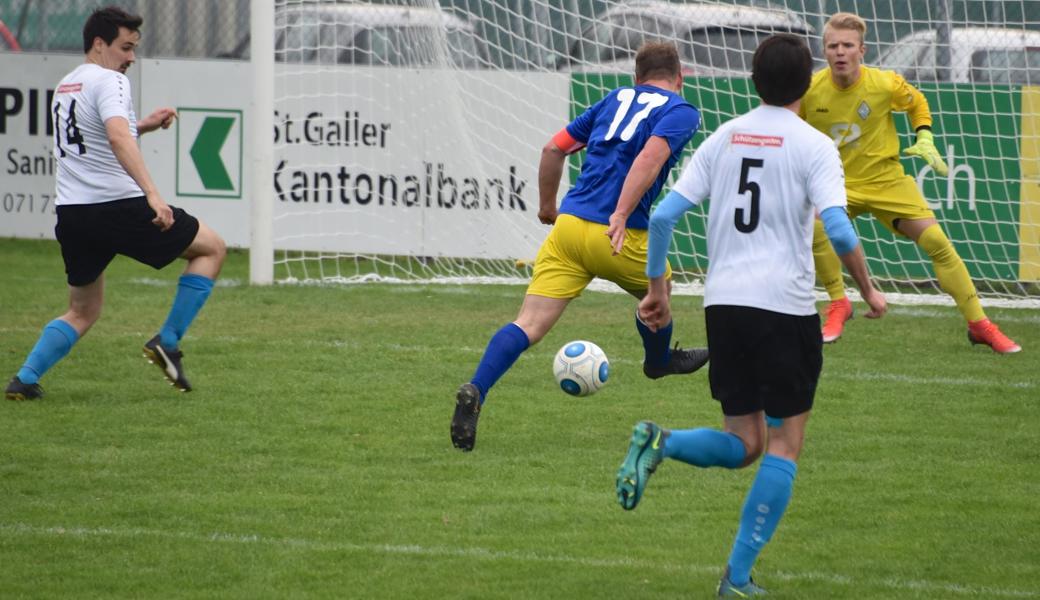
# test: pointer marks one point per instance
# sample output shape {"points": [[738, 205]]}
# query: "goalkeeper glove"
{"points": [[925, 148]]}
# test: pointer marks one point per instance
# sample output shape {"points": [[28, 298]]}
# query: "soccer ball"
{"points": [[581, 368]]}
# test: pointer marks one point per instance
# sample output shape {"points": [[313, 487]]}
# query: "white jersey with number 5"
{"points": [[88, 171], [766, 172]]}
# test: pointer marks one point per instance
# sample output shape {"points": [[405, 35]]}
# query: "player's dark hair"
{"points": [[781, 69], [657, 60], [105, 22]]}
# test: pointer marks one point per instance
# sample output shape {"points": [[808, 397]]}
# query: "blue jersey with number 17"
{"points": [[614, 131]]}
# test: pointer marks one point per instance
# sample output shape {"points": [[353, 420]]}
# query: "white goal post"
{"points": [[406, 134]]}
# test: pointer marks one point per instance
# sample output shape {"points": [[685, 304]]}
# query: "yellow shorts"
{"points": [[888, 201], [578, 250]]}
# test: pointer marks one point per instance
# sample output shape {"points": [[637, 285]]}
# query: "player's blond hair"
{"points": [[848, 21]]}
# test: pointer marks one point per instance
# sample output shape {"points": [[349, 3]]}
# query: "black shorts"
{"points": [[91, 235], [763, 360]]}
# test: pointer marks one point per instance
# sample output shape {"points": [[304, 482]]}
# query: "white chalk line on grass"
{"points": [[502, 555], [921, 311], [154, 282], [827, 373], [468, 285], [913, 379]]}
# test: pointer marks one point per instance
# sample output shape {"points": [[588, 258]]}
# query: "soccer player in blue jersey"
{"points": [[767, 173], [632, 137]]}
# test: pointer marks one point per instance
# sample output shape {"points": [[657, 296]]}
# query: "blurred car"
{"points": [[8, 43], [977, 54], [370, 34], [714, 40]]}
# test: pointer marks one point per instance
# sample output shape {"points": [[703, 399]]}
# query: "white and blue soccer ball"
{"points": [[581, 368]]}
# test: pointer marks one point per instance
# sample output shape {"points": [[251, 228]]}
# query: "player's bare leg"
{"points": [[206, 253], [205, 256], [537, 316], [57, 339], [766, 500]]}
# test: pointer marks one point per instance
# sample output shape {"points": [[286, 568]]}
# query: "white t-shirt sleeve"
{"points": [[113, 97], [826, 176], [695, 182]]}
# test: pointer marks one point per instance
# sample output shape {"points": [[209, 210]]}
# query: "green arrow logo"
{"points": [[205, 153]]}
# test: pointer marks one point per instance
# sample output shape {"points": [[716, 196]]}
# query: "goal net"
{"points": [[407, 134]]}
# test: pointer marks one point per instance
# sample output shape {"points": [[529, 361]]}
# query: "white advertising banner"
{"points": [[413, 162], [200, 163], [204, 146], [367, 160]]}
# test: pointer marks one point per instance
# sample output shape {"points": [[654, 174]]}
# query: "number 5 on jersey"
{"points": [[749, 225]]}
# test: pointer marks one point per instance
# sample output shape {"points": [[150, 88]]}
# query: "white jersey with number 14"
{"points": [[88, 171], [766, 172]]}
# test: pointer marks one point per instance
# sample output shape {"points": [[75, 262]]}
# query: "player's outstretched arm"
{"points": [[856, 264], [846, 243], [645, 169], [162, 118], [124, 146], [550, 171], [654, 308]]}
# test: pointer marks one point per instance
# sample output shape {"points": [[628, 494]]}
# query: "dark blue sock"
{"points": [[55, 342], [192, 291], [705, 448], [763, 508], [502, 351], [655, 345]]}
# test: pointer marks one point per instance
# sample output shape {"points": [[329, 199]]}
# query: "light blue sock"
{"points": [[765, 504], [705, 448], [192, 291], [55, 342], [503, 349], [655, 344]]}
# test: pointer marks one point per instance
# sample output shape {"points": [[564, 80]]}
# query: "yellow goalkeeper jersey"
{"points": [[859, 120]]}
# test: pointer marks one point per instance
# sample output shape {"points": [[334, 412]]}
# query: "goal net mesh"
{"points": [[408, 133]]}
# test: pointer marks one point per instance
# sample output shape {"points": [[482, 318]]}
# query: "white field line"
{"points": [[917, 380], [154, 282], [471, 285], [921, 585], [828, 373], [833, 373], [1007, 317]]}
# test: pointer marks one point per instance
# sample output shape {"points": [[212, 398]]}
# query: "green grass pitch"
{"points": [[313, 459]]}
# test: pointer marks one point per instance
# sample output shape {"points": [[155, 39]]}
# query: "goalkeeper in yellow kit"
{"points": [[853, 104]]}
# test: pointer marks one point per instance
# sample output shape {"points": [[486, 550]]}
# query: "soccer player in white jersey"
{"points": [[767, 173], [107, 204]]}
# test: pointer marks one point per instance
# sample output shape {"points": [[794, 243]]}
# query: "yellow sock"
{"points": [[828, 265], [950, 271]]}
